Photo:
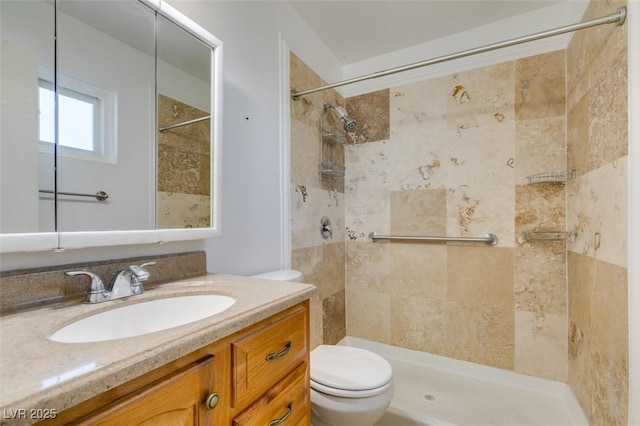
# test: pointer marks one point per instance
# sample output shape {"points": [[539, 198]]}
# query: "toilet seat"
{"points": [[349, 372], [342, 393]]}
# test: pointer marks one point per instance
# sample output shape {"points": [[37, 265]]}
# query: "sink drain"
{"points": [[429, 397]]}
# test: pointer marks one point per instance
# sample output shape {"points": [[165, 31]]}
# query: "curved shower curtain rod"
{"points": [[618, 17]]}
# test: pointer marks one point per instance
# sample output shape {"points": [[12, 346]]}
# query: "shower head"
{"points": [[349, 124]]}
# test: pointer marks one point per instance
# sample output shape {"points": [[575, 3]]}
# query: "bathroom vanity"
{"points": [[247, 365], [255, 376]]}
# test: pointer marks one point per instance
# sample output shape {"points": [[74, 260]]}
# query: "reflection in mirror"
{"points": [[184, 72], [106, 84], [84, 162], [26, 57]]}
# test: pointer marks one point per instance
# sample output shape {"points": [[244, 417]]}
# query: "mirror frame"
{"points": [[60, 241]]}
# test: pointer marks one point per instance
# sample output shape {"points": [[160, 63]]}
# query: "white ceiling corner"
{"points": [[356, 30]]}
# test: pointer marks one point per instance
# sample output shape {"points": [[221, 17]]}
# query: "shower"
{"points": [[349, 124]]}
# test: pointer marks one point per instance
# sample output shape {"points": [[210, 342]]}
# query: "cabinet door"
{"points": [[286, 404], [173, 401]]}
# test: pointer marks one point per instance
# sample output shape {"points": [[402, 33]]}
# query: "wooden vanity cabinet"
{"points": [[258, 374], [174, 400]]}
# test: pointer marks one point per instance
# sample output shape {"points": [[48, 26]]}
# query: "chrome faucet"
{"points": [[126, 282]]}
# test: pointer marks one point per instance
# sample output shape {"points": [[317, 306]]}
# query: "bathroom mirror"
{"points": [[130, 152]]}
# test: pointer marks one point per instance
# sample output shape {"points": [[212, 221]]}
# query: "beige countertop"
{"points": [[37, 373]]}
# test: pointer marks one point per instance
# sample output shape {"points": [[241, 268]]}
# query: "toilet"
{"points": [[349, 386]]}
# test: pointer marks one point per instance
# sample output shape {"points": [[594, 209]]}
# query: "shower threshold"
{"points": [[431, 390]]}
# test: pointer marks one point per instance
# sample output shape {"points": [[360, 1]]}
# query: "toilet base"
{"points": [[328, 410], [317, 421]]}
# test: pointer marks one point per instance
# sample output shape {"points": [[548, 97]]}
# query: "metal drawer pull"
{"points": [[212, 401], [282, 353], [282, 419]]}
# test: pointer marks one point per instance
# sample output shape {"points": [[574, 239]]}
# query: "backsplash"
{"points": [[32, 288]]}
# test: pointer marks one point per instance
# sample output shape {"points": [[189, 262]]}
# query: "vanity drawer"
{"points": [[286, 403], [263, 358]]}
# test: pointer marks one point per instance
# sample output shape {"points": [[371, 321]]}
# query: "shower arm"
{"points": [[617, 17]]}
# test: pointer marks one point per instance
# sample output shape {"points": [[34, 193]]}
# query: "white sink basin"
{"points": [[143, 318]]}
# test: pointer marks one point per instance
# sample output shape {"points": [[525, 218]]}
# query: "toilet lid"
{"points": [[344, 367]]}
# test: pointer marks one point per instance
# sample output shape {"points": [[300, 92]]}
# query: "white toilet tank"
{"points": [[281, 275]]}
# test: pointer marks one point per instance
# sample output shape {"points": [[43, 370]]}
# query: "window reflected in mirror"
{"points": [[106, 50]]}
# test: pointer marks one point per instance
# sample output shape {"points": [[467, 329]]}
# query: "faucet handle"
{"points": [[96, 291], [140, 272], [96, 282]]}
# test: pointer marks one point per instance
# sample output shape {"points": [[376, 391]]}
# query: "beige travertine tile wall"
{"points": [[184, 167], [451, 158], [596, 212], [320, 261]]}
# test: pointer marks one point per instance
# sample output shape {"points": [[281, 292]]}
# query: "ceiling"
{"points": [[355, 30], [133, 24]]}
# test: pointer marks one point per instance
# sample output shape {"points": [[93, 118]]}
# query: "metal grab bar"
{"points": [[100, 195], [489, 239], [184, 123]]}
